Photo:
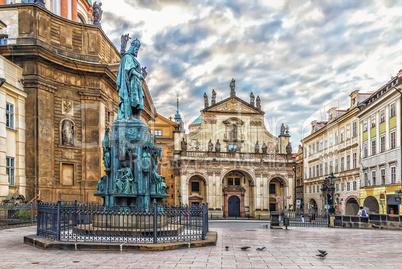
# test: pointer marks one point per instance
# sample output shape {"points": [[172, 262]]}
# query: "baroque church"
{"points": [[230, 160]]}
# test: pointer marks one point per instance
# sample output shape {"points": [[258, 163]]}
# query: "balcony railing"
{"points": [[237, 155]]}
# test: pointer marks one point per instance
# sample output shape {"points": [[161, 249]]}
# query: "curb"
{"points": [[48, 244]]}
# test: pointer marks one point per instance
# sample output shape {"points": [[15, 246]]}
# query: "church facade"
{"points": [[230, 161]]}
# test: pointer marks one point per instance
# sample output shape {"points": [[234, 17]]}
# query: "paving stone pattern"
{"points": [[292, 248]]}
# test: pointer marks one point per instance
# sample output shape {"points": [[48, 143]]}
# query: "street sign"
{"points": [[298, 202], [278, 199], [288, 197]]}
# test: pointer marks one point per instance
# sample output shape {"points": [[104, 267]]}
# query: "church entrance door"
{"points": [[234, 206]]}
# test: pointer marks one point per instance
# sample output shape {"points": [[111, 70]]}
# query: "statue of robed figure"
{"points": [[129, 86]]}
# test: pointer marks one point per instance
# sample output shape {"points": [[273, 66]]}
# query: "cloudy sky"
{"points": [[300, 57]]}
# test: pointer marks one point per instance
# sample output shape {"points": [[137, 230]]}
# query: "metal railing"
{"points": [[94, 223], [306, 219], [12, 215]]}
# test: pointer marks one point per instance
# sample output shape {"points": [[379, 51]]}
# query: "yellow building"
{"points": [[333, 147], [162, 128], [380, 140], [12, 131]]}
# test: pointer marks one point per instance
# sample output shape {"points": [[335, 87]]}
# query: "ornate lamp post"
{"points": [[331, 183]]}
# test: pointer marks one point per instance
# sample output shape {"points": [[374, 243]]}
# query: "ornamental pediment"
{"points": [[233, 105]]}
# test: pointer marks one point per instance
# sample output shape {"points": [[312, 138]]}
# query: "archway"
{"points": [[234, 206], [351, 207], [372, 204], [313, 205], [196, 190], [240, 184], [277, 194]]}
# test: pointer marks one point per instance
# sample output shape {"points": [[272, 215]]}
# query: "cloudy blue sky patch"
{"points": [[300, 57]]}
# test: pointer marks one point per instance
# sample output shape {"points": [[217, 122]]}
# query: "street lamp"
{"points": [[331, 183]]}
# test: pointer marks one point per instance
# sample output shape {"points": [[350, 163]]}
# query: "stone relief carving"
{"points": [[67, 107]]}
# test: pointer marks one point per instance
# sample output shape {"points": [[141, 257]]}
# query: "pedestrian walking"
{"points": [[313, 215], [302, 217]]}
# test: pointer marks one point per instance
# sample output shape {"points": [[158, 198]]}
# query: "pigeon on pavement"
{"points": [[261, 248], [322, 251], [227, 248], [244, 248], [322, 255]]}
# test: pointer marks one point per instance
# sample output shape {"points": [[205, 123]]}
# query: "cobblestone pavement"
{"points": [[292, 248]]}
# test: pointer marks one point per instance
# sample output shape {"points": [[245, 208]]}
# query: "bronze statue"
{"points": [[289, 149], [218, 146], [232, 87]]}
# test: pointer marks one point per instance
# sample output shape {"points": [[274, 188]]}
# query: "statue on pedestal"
{"points": [[264, 148], [257, 148], [217, 147], [183, 145], [129, 85], [210, 146]]}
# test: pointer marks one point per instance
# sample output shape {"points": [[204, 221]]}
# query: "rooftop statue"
{"points": [[129, 84], [124, 39], [97, 13], [232, 87]]}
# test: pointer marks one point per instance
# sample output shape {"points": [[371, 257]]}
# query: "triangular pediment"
{"points": [[234, 105]]}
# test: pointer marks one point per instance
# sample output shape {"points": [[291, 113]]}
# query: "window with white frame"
{"points": [[325, 143], [366, 181], [382, 143], [337, 187], [318, 188], [342, 164], [309, 172], [354, 160], [354, 131], [326, 168], [317, 146], [336, 165], [320, 144], [372, 121], [382, 115], [392, 110], [158, 132], [393, 174], [354, 185], [331, 167], [310, 190], [373, 179], [365, 126], [347, 131], [392, 140], [373, 147], [348, 162], [365, 151], [10, 170], [330, 140], [342, 137], [382, 176], [336, 138], [318, 170], [313, 172], [321, 169], [9, 115], [342, 186], [348, 186], [313, 189]]}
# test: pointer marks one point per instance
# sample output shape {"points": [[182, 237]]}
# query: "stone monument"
{"points": [[130, 153]]}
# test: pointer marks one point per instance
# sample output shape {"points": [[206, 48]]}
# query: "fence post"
{"points": [[155, 224], [38, 217], [58, 220], [204, 220], [75, 214]]}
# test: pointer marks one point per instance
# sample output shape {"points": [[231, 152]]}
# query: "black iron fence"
{"points": [[375, 221], [12, 215], [93, 223], [307, 219]]}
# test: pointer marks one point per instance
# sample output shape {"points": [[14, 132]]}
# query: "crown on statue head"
{"points": [[136, 43]]}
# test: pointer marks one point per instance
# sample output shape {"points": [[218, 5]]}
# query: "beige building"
{"points": [[12, 131], [230, 161], [380, 139], [333, 147]]}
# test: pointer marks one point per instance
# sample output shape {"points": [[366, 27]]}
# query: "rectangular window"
{"points": [[326, 168], [313, 189], [310, 190], [330, 140], [336, 165], [348, 186], [337, 187], [342, 164], [318, 188], [373, 147], [348, 131], [372, 121], [10, 170], [309, 172], [382, 143], [393, 140], [382, 116], [342, 137], [317, 146], [373, 179], [313, 149], [158, 132], [393, 174], [392, 110], [237, 181], [331, 167], [195, 186], [320, 169], [272, 188], [348, 162], [342, 186], [313, 172], [230, 181], [365, 151], [366, 182], [382, 176], [3, 40], [336, 138], [325, 143], [354, 160], [354, 185], [320, 144], [354, 129], [9, 115], [67, 174], [309, 150], [365, 126]]}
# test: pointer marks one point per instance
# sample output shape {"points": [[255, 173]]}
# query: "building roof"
{"points": [[197, 121]]}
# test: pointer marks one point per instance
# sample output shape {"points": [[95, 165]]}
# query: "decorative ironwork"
{"points": [[63, 221]]}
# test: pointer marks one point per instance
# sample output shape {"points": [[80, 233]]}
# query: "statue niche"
{"points": [[67, 132]]}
